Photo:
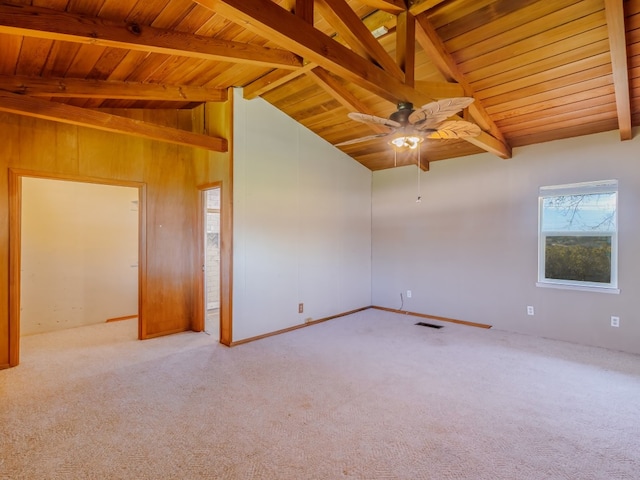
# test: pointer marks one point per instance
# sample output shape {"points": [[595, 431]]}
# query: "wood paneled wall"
{"points": [[169, 176]]}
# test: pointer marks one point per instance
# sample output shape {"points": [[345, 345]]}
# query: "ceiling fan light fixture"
{"points": [[408, 127], [406, 141]]}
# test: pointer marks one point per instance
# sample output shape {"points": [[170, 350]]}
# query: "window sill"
{"points": [[581, 288]]}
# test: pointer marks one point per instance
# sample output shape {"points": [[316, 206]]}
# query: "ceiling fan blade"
{"points": [[431, 114], [361, 139], [455, 129], [365, 118]]}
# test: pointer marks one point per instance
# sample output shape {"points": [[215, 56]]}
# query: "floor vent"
{"points": [[430, 325]]}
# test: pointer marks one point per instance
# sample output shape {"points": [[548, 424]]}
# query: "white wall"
{"points": [[78, 254], [469, 250], [302, 224]]}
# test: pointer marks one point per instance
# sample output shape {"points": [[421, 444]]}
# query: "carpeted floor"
{"points": [[368, 396]]}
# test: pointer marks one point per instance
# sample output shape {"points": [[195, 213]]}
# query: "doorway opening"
{"points": [[211, 266], [74, 255]]}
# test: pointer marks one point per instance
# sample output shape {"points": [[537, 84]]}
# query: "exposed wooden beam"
{"points": [[338, 91], [491, 144], [58, 112], [356, 34], [435, 48], [304, 10], [440, 90], [272, 80], [269, 20], [289, 5], [80, 88], [614, 10], [390, 6], [373, 22], [380, 19], [55, 25], [406, 46], [416, 7]]}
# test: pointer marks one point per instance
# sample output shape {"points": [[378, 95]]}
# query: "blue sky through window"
{"points": [[579, 213]]}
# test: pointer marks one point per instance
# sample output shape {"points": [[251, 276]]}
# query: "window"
{"points": [[578, 236]]}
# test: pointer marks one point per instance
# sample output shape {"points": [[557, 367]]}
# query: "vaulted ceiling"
{"points": [[538, 70]]}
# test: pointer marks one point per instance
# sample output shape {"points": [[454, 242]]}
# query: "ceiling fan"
{"points": [[409, 127]]}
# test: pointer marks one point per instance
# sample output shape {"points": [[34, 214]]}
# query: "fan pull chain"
{"points": [[395, 157], [419, 199]]}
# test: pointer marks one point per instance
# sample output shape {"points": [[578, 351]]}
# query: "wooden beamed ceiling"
{"points": [[57, 112], [538, 70], [618, 44], [89, 88], [367, 64]]}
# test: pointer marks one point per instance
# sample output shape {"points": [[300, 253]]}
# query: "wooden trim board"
{"points": [[296, 327], [15, 212], [15, 228], [199, 318], [117, 319], [393, 310], [434, 317]]}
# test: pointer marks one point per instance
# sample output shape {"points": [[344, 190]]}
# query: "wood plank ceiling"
{"points": [[538, 70]]}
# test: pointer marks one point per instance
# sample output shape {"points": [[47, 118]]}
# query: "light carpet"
{"points": [[367, 396]]}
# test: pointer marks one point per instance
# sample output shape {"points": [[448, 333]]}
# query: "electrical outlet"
{"points": [[615, 321], [301, 308], [408, 293], [530, 310]]}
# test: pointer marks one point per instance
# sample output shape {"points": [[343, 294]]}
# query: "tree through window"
{"points": [[578, 235]]}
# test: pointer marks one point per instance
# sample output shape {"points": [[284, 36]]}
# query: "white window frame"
{"points": [[585, 188]]}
